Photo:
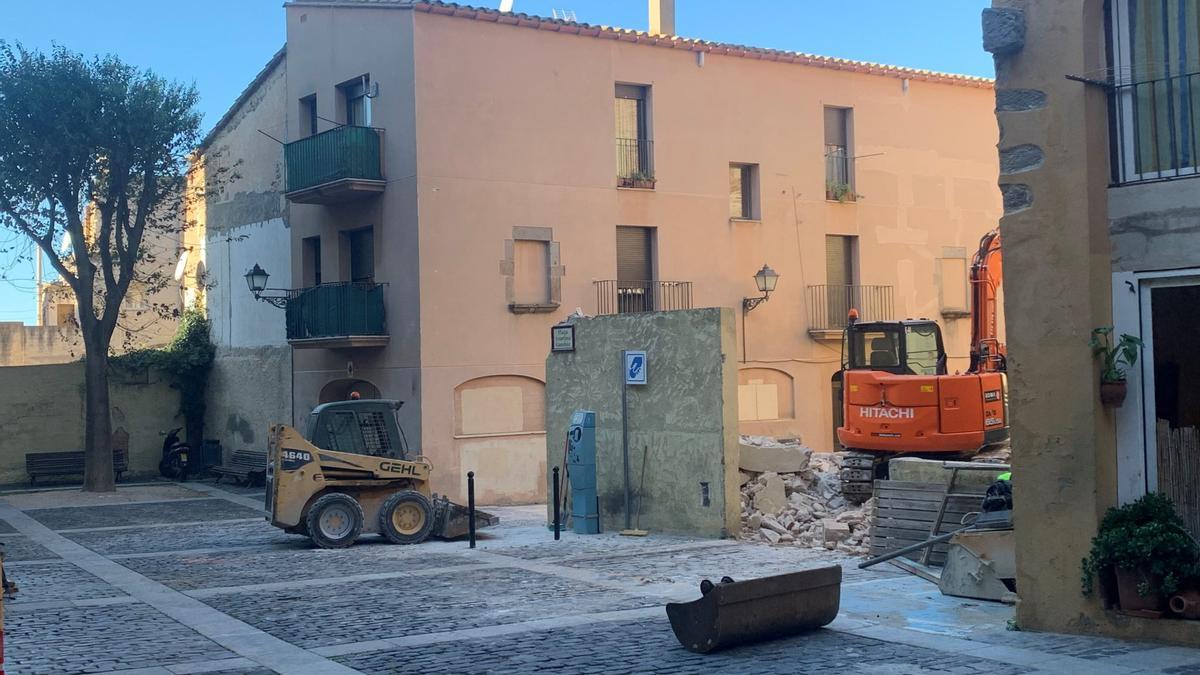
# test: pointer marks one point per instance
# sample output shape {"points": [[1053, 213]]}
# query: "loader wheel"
{"points": [[406, 517], [334, 520]]}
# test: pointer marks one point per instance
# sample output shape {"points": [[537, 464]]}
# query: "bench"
{"points": [[69, 463], [244, 466]]}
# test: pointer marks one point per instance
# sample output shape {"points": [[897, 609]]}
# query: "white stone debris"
{"points": [[803, 508]]}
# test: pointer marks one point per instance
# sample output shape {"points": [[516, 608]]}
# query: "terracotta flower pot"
{"points": [[1127, 591], [1186, 604], [1112, 394]]}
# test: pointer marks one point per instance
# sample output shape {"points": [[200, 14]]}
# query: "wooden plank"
{"points": [[939, 488], [954, 504], [916, 568]]}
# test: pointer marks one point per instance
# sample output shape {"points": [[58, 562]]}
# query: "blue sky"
{"points": [[221, 44]]}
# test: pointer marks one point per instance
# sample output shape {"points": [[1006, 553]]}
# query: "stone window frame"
{"points": [[953, 253], [556, 270]]}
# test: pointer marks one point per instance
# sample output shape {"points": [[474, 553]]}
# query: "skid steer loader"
{"points": [[353, 473]]}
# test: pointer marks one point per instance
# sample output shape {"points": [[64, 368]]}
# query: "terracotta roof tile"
{"points": [[667, 41]]}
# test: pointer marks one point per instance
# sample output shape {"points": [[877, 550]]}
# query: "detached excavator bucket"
{"points": [[742, 612], [451, 521]]}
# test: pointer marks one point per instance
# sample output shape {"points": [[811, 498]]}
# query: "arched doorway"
{"points": [[339, 390], [500, 434]]}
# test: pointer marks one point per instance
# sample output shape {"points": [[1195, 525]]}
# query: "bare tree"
{"points": [[96, 151]]}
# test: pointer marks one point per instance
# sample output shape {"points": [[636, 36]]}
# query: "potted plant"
{"points": [[1143, 552], [638, 179], [838, 191], [1115, 359]]}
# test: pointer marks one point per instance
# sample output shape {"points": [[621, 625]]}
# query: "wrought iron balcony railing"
{"points": [[622, 297], [345, 312], [1154, 123], [335, 165], [635, 163], [829, 305], [839, 174]]}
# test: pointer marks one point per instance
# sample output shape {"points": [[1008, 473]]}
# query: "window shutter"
{"points": [[633, 254], [835, 127], [839, 268]]}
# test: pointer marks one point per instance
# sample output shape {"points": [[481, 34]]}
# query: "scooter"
{"points": [[174, 463]]}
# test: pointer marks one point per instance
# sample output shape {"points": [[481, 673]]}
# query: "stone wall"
{"points": [[250, 389], [685, 418], [43, 412], [1057, 258]]}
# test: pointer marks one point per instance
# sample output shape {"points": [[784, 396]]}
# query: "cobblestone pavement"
{"points": [[199, 583], [649, 647]]}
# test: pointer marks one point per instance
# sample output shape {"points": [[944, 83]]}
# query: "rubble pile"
{"points": [[796, 500]]}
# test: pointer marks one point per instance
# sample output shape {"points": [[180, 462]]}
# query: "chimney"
{"points": [[662, 17]]}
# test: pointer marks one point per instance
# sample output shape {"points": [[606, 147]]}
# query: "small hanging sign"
{"points": [[562, 337]]}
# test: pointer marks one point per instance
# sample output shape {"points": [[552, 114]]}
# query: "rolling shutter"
{"points": [[633, 254]]}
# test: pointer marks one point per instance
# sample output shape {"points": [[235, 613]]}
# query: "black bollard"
{"points": [[471, 505], [556, 515]]}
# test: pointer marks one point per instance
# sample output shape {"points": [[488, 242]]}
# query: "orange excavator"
{"points": [[898, 398]]}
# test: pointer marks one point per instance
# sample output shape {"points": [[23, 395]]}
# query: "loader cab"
{"points": [[912, 347], [360, 427]]}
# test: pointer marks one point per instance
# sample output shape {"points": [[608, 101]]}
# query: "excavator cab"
{"points": [[912, 347]]}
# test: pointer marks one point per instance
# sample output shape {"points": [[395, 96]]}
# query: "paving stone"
{"points": [[1078, 646], [18, 548], [574, 545], [740, 562], [241, 568], [75, 640], [340, 613], [650, 647], [186, 537], [54, 581], [192, 510]]}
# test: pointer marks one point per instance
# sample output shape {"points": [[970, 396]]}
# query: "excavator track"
{"points": [[858, 473]]}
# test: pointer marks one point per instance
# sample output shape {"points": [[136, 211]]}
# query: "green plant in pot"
{"points": [[1141, 554], [1114, 360]]}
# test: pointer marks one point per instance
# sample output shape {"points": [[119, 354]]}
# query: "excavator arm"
{"points": [[988, 353]]}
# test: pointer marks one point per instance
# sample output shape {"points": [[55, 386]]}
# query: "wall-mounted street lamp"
{"points": [[256, 279], [765, 279]]}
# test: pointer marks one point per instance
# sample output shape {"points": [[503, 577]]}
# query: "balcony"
{"points": [[624, 297], [335, 316], [829, 305], [635, 163], [338, 165], [839, 175], [1154, 125]]}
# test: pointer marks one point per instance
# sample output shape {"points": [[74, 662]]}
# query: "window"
{"points": [[1156, 54], [743, 191], [64, 314], [308, 115], [635, 269], [839, 161], [311, 261], [952, 286], [764, 394], [362, 255], [342, 432], [356, 102], [531, 271], [923, 354], [635, 167], [841, 293]]}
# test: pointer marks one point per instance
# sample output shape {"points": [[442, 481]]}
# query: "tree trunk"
{"points": [[98, 452]]}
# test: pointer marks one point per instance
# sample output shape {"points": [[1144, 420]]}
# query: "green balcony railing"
{"points": [[336, 154], [336, 310]]}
